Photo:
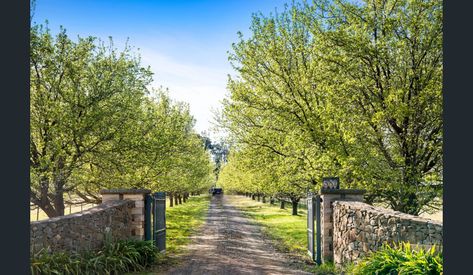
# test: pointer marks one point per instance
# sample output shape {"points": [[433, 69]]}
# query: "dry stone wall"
{"points": [[85, 230], [359, 228], [326, 216]]}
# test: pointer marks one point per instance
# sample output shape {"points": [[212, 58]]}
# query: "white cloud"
{"points": [[200, 86]]}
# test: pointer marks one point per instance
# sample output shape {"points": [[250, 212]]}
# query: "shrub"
{"points": [[114, 258], [401, 259]]}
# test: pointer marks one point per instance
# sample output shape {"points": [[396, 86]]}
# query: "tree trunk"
{"points": [[271, 200], [259, 197], [410, 204], [171, 204], [282, 204], [264, 199], [59, 199], [185, 197], [43, 201], [180, 198], [253, 196], [295, 202], [176, 202]]}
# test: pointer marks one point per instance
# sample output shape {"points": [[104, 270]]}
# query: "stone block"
{"points": [[138, 217], [140, 203], [110, 197], [135, 197], [138, 231], [137, 211]]}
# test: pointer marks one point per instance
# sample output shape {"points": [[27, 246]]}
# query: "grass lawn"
{"points": [[290, 231], [181, 221]]}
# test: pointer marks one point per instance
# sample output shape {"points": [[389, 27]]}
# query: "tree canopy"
{"points": [[95, 123], [340, 88]]}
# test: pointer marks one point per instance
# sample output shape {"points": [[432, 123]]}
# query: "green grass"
{"points": [[280, 224], [181, 222], [288, 232]]}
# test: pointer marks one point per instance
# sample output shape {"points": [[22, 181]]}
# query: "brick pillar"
{"points": [[137, 212], [328, 196]]}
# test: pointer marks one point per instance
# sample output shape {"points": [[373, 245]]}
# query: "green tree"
{"points": [[83, 95], [384, 69], [96, 125], [347, 89]]}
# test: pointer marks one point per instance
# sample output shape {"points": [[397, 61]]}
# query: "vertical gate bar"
{"points": [[164, 221], [161, 221], [148, 217], [310, 226], [312, 237], [155, 220], [318, 259]]}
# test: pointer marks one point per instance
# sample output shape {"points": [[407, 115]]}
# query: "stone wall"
{"points": [[85, 230], [359, 228], [137, 213], [328, 196]]}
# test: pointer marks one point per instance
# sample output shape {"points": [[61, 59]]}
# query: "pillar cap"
{"points": [[125, 191], [343, 191]]}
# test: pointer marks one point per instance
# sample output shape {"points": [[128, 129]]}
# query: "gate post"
{"points": [[137, 212], [328, 196], [148, 203], [318, 232]]}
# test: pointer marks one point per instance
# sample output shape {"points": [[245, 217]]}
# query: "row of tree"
{"points": [[339, 88], [96, 124]]}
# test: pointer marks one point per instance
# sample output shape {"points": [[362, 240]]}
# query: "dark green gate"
{"points": [[313, 227], [155, 219]]}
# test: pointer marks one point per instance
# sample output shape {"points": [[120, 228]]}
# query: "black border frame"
{"points": [[458, 136], [14, 113]]}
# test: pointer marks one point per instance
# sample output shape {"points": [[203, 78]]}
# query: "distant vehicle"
{"points": [[216, 191]]}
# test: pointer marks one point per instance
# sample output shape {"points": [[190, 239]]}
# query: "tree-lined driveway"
{"points": [[229, 243]]}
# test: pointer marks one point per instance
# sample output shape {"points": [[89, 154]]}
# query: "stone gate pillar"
{"points": [[137, 212], [328, 196]]}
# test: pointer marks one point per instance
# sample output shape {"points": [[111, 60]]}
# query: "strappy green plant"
{"points": [[114, 258], [402, 259]]}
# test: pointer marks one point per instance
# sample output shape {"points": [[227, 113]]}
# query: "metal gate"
{"points": [[155, 219], [313, 227]]}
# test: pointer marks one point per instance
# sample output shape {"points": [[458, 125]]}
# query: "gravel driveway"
{"points": [[229, 243]]}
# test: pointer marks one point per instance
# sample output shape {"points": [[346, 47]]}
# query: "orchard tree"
{"points": [[83, 96], [384, 72], [95, 125], [347, 89]]}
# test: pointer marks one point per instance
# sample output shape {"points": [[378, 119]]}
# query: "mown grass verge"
{"points": [[181, 222], [288, 232]]}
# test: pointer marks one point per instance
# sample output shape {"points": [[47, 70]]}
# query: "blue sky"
{"points": [[184, 42]]}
